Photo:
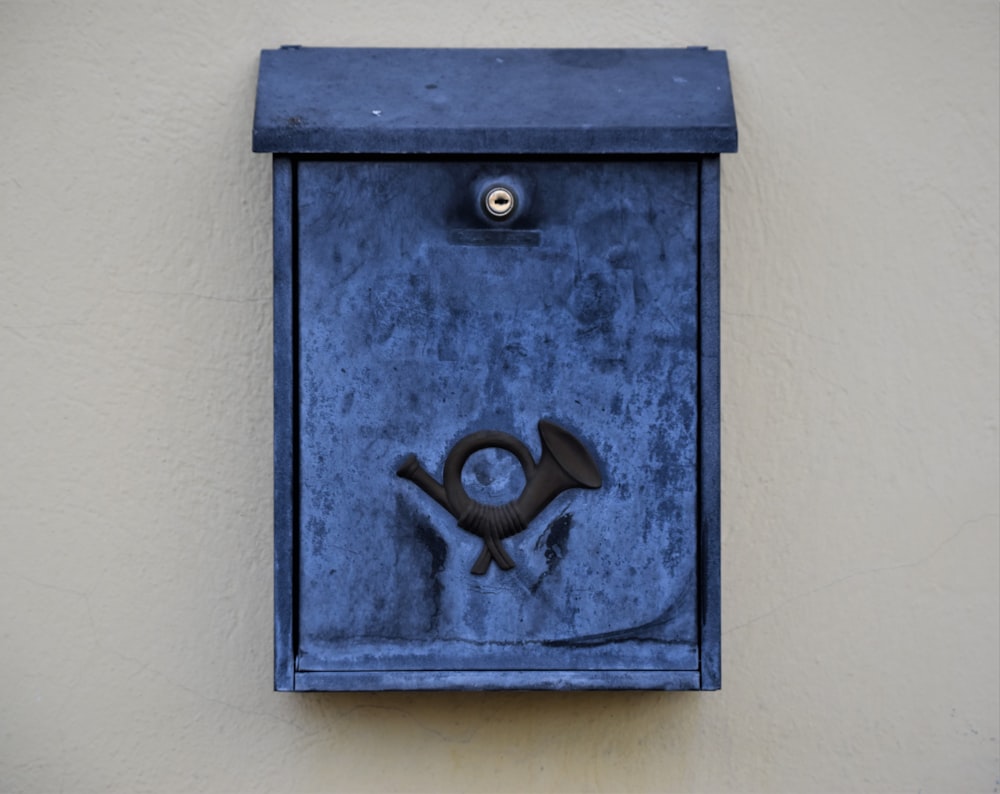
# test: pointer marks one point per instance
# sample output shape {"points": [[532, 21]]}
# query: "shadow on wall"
{"points": [[577, 726]]}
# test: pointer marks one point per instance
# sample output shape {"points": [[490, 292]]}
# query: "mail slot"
{"points": [[496, 366]]}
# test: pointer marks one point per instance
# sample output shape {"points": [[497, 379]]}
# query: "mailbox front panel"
{"points": [[420, 322]]}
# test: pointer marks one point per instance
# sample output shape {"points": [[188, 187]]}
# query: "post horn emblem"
{"points": [[565, 464]]}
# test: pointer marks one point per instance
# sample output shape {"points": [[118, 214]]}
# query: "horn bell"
{"points": [[569, 452], [565, 464]]}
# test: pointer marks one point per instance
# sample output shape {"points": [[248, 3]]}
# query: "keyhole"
{"points": [[499, 201]]}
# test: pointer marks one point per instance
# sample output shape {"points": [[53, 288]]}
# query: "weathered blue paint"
{"points": [[285, 435], [405, 320], [479, 680], [709, 438]]}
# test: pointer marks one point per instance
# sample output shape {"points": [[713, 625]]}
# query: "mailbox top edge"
{"points": [[317, 100]]}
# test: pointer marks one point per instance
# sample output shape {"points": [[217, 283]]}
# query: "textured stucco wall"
{"points": [[860, 464]]}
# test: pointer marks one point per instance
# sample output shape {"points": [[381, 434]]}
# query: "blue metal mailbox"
{"points": [[496, 350]]}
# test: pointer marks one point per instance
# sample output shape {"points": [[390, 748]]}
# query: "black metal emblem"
{"points": [[564, 464]]}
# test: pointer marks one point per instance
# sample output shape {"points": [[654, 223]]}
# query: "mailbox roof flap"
{"points": [[523, 101]]}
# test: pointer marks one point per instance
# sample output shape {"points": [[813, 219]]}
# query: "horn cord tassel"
{"points": [[492, 523]]}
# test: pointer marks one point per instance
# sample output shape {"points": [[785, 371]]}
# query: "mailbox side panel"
{"points": [[710, 428], [284, 425]]}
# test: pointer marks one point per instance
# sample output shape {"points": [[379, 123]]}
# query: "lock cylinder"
{"points": [[500, 199]]}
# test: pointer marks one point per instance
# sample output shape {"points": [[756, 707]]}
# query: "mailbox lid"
{"points": [[494, 101]]}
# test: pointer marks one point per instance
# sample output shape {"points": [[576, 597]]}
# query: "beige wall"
{"points": [[860, 455]]}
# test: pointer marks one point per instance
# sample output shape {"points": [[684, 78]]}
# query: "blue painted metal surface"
{"points": [[407, 319], [404, 101]]}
